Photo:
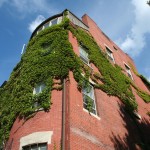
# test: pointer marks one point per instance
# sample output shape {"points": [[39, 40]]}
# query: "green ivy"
{"points": [[145, 96], [115, 82], [49, 55], [145, 81]]}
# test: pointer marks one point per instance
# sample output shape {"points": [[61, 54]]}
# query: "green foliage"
{"points": [[49, 56], [146, 82], [145, 96], [115, 82], [89, 103]]}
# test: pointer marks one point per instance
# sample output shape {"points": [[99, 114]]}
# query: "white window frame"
{"points": [[37, 144], [85, 59], [110, 54], [128, 70], [91, 97]]}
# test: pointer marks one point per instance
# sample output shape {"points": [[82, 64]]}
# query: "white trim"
{"points": [[90, 80], [36, 137], [23, 49], [109, 53], [126, 66], [38, 31], [91, 97], [97, 117], [108, 47]]}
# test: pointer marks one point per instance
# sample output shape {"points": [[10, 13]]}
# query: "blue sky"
{"points": [[127, 22]]}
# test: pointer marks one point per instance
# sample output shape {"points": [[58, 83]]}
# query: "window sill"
{"points": [[91, 114], [39, 109]]}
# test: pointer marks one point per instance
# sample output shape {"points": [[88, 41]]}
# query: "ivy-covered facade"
{"points": [[49, 59]]}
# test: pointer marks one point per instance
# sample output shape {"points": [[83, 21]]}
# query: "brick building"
{"points": [[73, 121]]}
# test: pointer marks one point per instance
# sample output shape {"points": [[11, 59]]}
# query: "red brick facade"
{"points": [[111, 129]]}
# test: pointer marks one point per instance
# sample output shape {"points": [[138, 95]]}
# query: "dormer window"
{"points": [[110, 55], [128, 71], [39, 88], [84, 55]]}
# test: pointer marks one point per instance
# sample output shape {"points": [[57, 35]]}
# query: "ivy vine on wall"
{"points": [[49, 55]]}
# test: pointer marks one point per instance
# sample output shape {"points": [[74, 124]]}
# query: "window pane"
{"points": [[128, 72], [89, 91], [46, 25], [89, 98], [109, 54], [40, 29], [34, 147], [53, 22], [37, 90], [42, 86], [26, 148], [42, 146], [83, 53]]}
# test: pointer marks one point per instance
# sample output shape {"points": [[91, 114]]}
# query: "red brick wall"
{"points": [[115, 128], [42, 121], [119, 56], [112, 129]]}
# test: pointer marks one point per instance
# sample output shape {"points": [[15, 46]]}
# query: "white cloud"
{"points": [[31, 5], [2, 2], [135, 40], [36, 22], [25, 7]]}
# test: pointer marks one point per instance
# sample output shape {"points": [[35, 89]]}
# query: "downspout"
{"points": [[63, 114]]}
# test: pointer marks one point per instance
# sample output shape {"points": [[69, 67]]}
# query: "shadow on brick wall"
{"points": [[138, 133]]}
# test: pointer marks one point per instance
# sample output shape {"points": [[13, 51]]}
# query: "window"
{"points": [[41, 146], [89, 98], [84, 55], [46, 25], [53, 22], [110, 55], [115, 48], [39, 88], [40, 29], [23, 49], [128, 71]]}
